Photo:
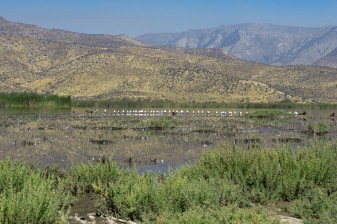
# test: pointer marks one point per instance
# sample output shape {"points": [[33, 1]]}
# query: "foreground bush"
{"points": [[226, 185], [222, 179], [28, 197], [269, 174]]}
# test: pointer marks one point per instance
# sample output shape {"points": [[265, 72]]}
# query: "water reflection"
{"points": [[71, 136]]}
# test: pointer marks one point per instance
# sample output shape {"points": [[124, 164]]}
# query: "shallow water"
{"points": [[65, 137]]}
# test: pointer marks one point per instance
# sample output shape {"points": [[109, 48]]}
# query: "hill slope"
{"points": [[57, 35], [264, 43], [136, 72], [328, 60]]}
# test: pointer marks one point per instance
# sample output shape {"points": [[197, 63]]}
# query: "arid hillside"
{"points": [[64, 36], [137, 71]]}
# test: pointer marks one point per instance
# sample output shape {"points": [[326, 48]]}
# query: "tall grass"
{"points": [[30, 99]]}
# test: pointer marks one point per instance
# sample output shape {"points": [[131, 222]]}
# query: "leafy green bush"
{"points": [[226, 185], [147, 196], [317, 205], [226, 177], [272, 174], [28, 197], [92, 176]]}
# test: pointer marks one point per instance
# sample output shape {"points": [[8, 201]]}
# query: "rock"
{"points": [[289, 220], [76, 219], [91, 218], [110, 221]]}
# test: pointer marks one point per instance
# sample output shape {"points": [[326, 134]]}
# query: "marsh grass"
{"points": [[30, 99], [318, 128], [162, 122]]}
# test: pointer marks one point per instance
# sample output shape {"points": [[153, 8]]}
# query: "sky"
{"points": [[136, 17]]}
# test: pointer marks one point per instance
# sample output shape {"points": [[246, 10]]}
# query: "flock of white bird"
{"points": [[157, 113]]}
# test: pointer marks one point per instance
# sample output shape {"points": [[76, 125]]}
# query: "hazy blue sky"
{"points": [[135, 17]]}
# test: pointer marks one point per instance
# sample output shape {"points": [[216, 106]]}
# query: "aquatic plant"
{"points": [[162, 122], [318, 128]]}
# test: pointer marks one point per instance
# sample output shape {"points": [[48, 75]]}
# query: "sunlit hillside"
{"points": [[136, 71]]}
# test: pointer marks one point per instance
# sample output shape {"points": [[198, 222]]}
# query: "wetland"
{"points": [[151, 138], [86, 165]]}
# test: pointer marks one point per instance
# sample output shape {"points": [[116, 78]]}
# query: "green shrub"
{"points": [[316, 206], [226, 177], [92, 176], [272, 174], [147, 196], [28, 197], [225, 185]]}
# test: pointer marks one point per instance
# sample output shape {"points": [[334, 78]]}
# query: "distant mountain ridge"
{"points": [[328, 60], [263, 43]]}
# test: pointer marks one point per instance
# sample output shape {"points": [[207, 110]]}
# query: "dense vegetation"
{"points": [[30, 99], [29, 196], [227, 185]]}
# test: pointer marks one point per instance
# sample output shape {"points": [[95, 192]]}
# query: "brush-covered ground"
{"points": [[138, 72]]}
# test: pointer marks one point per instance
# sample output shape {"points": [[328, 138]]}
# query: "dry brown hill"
{"points": [[145, 73], [138, 72], [63, 36]]}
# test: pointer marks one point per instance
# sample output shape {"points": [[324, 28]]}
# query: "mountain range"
{"points": [[263, 43], [95, 66]]}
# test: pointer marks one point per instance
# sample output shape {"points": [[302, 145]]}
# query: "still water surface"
{"points": [[64, 137]]}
